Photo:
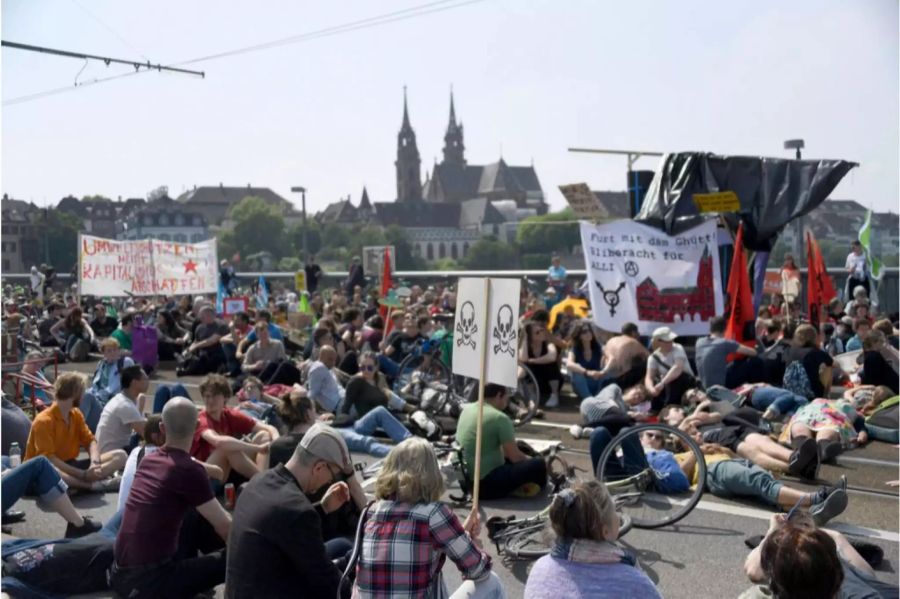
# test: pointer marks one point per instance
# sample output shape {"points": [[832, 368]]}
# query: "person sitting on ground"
{"points": [[797, 560], [220, 429], [808, 369], [372, 333], [741, 432], [75, 335], [408, 516], [350, 333], [625, 358], [728, 475], [166, 486], [240, 327], [38, 477], [171, 338], [255, 402], [123, 334], [276, 548], [669, 373], [861, 328], [102, 323], [828, 426], [504, 468], [876, 369], [322, 383], [775, 347], [122, 422], [265, 356], [16, 426], [251, 338], [368, 390], [712, 354], [59, 433], [105, 383], [887, 328], [584, 361], [540, 356], [154, 438], [55, 314], [585, 560], [410, 338], [860, 297], [205, 353]]}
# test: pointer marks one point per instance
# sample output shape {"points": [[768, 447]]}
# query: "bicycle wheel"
{"points": [[524, 399], [536, 540], [422, 367], [643, 477]]}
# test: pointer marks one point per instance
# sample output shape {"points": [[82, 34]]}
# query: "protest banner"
{"points": [[485, 343], [583, 201], [113, 268], [640, 274]]}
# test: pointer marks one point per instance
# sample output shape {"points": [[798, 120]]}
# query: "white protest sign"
{"points": [[107, 267], [639, 274], [500, 333]]}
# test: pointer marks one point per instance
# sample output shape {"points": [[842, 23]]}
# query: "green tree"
{"points": [[258, 227], [406, 259], [368, 235], [542, 234], [60, 234], [447, 264], [290, 264], [489, 253], [334, 236], [313, 238]]}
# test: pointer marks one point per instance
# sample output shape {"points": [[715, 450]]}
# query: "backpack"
{"points": [[887, 414], [797, 381], [144, 344]]}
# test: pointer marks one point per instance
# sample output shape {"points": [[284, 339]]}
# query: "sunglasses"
{"points": [[659, 436], [368, 367]]}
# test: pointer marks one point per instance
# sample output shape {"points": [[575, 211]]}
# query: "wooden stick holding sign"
{"points": [[484, 344]]}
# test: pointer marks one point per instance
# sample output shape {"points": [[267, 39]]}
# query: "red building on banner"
{"points": [[681, 303]]}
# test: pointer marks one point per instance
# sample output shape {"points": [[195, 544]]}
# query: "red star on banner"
{"points": [[190, 266]]}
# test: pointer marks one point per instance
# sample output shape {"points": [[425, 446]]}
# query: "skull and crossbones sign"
{"points": [[504, 331], [466, 326]]}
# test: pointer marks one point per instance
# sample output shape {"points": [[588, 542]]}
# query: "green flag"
{"points": [[865, 238]]}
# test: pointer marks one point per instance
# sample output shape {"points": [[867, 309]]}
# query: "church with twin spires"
{"points": [[458, 203]]}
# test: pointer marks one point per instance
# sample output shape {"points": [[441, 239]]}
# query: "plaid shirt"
{"points": [[404, 548]]}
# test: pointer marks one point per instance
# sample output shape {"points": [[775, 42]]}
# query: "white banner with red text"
{"points": [[114, 268], [639, 274]]}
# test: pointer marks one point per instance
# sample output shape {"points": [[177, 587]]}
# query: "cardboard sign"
{"points": [[300, 281], [233, 305], [723, 201], [583, 201], [772, 283], [373, 259], [501, 307]]}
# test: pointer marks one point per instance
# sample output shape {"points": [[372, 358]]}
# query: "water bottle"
{"points": [[15, 455]]}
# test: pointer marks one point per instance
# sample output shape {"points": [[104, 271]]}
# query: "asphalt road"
{"points": [[700, 557]]}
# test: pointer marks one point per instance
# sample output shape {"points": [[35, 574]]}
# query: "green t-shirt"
{"points": [[497, 430], [123, 338]]}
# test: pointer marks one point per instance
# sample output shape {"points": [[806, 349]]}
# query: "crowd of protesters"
{"points": [[291, 387]]}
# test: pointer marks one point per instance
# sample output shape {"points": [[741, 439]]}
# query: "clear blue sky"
{"points": [[532, 77]]}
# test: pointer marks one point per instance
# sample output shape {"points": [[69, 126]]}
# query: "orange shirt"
{"points": [[51, 436]]}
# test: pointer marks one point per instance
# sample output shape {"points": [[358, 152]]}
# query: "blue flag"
{"points": [[220, 298], [262, 293]]}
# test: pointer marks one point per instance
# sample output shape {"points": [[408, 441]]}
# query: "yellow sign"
{"points": [[300, 281], [723, 201]]}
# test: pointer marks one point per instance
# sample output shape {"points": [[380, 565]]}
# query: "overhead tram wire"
{"points": [[105, 59], [383, 19]]}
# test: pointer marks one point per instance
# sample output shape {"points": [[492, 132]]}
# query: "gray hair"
{"points": [[180, 418]]}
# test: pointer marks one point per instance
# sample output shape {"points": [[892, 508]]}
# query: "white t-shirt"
{"points": [[114, 429], [858, 264], [128, 474], [677, 353]]}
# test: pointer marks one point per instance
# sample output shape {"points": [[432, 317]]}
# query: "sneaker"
{"points": [[553, 402], [576, 430], [107, 485], [826, 490], [771, 415], [13, 516], [832, 506], [829, 452], [89, 526], [802, 457]]}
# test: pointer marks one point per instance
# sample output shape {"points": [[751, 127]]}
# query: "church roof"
{"points": [[418, 214], [463, 182], [341, 211], [479, 211], [231, 196]]}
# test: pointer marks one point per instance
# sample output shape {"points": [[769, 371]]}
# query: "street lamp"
{"points": [[302, 191], [797, 144]]}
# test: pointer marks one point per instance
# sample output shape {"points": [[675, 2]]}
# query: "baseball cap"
{"points": [[664, 334], [327, 444]]}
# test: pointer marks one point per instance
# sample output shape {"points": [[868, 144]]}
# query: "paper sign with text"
{"points": [[583, 201], [722, 201], [639, 274], [500, 335], [114, 268]]}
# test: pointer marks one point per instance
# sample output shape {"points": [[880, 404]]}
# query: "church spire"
{"points": [[406, 126], [454, 148], [408, 164]]}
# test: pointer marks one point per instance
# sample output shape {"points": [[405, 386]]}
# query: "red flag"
{"points": [[741, 318], [386, 284], [819, 288]]}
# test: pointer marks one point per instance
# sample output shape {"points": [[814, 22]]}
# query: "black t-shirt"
{"points": [[275, 548], [283, 448], [362, 395], [67, 567], [877, 371], [812, 359], [44, 334], [403, 346], [105, 328], [312, 277], [733, 428], [205, 331]]}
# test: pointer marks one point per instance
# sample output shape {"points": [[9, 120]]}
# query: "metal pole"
{"points": [[799, 255], [305, 248]]}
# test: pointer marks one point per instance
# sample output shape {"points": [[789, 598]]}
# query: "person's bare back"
{"points": [[621, 353]]}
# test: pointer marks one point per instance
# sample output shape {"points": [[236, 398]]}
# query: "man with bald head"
{"points": [[167, 484], [322, 385]]}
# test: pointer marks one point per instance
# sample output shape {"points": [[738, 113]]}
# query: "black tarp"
{"points": [[772, 191]]}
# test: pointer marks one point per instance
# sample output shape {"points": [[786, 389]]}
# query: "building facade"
{"points": [[166, 220]]}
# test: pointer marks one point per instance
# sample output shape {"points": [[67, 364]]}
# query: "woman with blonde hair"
{"points": [[585, 561], [409, 533]]}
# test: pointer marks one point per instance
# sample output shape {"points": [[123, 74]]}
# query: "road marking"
{"points": [[870, 461], [550, 424]]}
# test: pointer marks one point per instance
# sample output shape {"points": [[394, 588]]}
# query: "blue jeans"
{"points": [[165, 393], [389, 367], [37, 476], [585, 386], [359, 436], [880, 433], [777, 399], [91, 408], [741, 478], [633, 461]]}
